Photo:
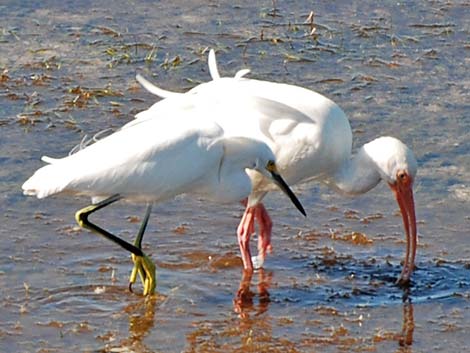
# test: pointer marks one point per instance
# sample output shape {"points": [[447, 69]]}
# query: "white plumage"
{"points": [[180, 149], [311, 138], [136, 162], [151, 160]]}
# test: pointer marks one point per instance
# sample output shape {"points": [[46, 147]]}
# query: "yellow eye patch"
{"points": [[271, 166]]}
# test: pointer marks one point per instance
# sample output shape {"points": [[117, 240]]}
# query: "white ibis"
{"points": [[152, 161], [312, 139]]}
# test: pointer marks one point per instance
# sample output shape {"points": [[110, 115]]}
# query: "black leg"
{"points": [[143, 226], [82, 219], [142, 263], [138, 244]]}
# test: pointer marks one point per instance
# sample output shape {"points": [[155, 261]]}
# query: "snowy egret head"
{"points": [[255, 155], [270, 170], [267, 167]]}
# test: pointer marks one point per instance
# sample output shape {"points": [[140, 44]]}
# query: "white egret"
{"points": [[154, 160], [312, 140]]}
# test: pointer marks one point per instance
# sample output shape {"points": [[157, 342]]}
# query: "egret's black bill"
{"points": [[284, 187]]}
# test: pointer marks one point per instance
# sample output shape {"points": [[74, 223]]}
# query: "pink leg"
{"points": [[247, 227], [265, 225], [244, 231]]}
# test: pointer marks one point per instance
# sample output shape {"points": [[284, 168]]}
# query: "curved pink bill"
{"points": [[403, 190]]}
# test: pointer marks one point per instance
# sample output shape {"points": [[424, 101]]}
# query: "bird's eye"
{"points": [[402, 176], [271, 166]]}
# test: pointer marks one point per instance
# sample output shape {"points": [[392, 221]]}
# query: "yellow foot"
{"points": [[146, 270]]}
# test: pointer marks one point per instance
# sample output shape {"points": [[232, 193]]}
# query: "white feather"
{"points": [[212, 62], [160, 92]]}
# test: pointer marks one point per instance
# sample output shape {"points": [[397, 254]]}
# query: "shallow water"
{"points": [[400, 69]]}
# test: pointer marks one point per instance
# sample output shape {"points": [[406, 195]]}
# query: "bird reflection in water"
{"points": [[141, 323], [243, 303], [406, 337]]}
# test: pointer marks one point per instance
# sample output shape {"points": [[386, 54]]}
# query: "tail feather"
{"points": [[49, 160], [241, 73], [48, 180], [212, 62], [157, 91]]}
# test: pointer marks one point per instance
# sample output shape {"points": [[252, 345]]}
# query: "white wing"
{"points": [[308, 132], [147, 161]]}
